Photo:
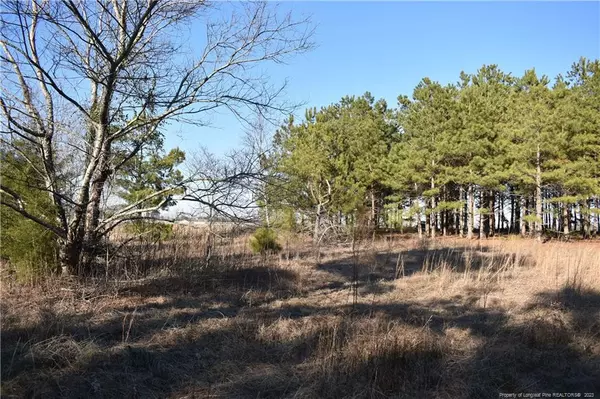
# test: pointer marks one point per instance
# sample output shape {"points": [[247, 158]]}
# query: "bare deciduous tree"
{"points": [[82, 76]]}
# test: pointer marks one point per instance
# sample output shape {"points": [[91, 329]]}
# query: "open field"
{"points": [[403, 318]]}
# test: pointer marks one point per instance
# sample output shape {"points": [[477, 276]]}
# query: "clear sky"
{"points": [[388, 47]]}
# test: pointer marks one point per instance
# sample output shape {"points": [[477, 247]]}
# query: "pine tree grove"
{"points": [[492, 154]]}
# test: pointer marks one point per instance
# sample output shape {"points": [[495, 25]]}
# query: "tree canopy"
{"points": [[492, 152]]}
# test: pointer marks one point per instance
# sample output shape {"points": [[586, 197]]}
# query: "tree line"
{"points": [[492, 153]]}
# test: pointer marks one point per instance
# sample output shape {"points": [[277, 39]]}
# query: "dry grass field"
{"points": [[400, 318]]}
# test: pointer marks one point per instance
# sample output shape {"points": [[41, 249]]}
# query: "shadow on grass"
{"points": [[393, 265], [556, 348], [260, 278], [368, 350], [176, 303]]}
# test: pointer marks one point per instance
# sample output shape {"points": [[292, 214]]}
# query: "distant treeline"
{"points": [[491, 153]]}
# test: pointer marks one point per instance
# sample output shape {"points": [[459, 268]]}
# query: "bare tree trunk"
{"points": [[316, 234], [579, 219], [444, 222], [460, 212], [432, 215], [522, 214], [445, 216], [470, 208], [598, 216], [482, 218], [69, 254], [418, 218], [91, 237], [502, 219], [373, 220], [498, 222], [546, 211], [511, 224], [492, 214], [585, 216], [316, 228], [529, 224], [456, 222], [538, 196]]}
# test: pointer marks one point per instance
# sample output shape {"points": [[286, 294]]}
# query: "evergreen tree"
{"points": [[30, 249]]}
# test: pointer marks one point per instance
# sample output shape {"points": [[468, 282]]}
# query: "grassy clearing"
{"points": [[398, 318]]}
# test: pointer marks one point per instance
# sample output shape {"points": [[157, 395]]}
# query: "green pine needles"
{"points": [[264, 241]]}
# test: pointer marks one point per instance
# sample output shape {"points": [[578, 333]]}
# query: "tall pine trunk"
{"points": [[461, 211], [491, 214], [418, 218], [373, 214], [579, 216], [482, 219], [512, 224], [444, 216], [538, 196], [432, 214], [501, 217], [565, 218], [585, 218], [522, 214], [470, 209]]}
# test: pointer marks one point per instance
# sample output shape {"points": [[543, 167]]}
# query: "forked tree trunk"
{"points": [[69, 255]]}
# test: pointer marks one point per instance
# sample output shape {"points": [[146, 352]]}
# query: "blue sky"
{"points": [[388, 47]]}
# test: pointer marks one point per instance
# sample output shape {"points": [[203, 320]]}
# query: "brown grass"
{"points": [[397, 318]]}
